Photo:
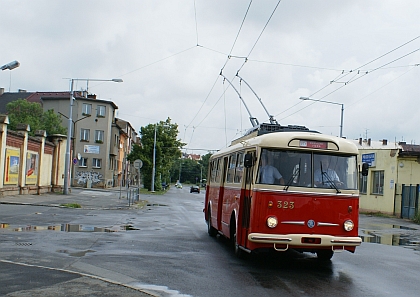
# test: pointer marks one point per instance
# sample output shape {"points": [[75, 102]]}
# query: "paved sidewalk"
{"points": [[112, 198]]}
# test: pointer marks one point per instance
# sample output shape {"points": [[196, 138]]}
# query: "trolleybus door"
{"points": [[221, 193], [245, 203]]}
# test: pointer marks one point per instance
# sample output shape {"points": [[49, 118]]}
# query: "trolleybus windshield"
{"points": [[307, 169]]}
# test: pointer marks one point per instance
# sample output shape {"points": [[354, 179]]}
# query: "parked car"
{"points": [[178, 185], [195, 189]]}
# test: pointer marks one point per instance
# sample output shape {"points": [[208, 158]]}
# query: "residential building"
{"points": [[100, 142], [392, 184]]}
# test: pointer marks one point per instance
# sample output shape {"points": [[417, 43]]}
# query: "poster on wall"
{"points": [[11, 172], [31, 168], [91, 149]]}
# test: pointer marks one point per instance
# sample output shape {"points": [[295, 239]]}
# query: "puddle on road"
{"points": [[76, 254], [389, 234], [68, 228]]}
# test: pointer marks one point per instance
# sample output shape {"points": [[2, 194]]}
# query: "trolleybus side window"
{"points": [[239, 168], [217, 171], [231, 168]]}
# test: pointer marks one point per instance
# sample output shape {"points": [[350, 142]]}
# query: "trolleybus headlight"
{"points": [[348, 225], [272, 222]]}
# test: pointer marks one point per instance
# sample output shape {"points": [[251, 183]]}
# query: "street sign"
{"points": [[138, 164]]}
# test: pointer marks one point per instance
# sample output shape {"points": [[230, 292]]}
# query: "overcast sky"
{"points": [[362, 53]]}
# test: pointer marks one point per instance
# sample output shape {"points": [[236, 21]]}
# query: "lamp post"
{"points": [[69, 130], [342, 110], [154, 158], [154, 161]]}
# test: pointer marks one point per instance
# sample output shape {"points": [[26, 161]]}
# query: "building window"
{"points": [[84, 134], [100, 111], [83, 162], [378, 182], [87, 109], [99, 136], [96, 163], [363, 184]]}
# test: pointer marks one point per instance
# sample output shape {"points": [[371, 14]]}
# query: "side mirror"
{"points": [[249, 160], [365, 169]]}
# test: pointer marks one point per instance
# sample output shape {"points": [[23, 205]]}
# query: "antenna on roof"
{"points": [[271, 117], [254, 121]]}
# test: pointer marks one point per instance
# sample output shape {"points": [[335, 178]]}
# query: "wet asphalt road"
{"points": [[163, 250]]}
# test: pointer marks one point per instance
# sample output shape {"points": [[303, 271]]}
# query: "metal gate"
{"points": [[410, 201]]}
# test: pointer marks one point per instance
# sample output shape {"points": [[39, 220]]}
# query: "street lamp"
{"points": [[10, 66], [69, 130], [342, 110]]}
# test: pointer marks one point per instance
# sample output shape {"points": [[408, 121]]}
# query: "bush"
{"points": [[417, 218]]}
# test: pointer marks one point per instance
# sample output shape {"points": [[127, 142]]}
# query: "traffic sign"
{"points": [[138, 164]]}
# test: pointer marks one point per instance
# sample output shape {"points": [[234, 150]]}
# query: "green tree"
{"points": [[167, 151], [31, 113], [190, 171]]}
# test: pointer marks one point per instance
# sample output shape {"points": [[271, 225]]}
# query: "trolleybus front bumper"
{"points": [[304, 240]]}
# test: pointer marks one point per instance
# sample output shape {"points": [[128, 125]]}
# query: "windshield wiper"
{"points": [[331, 182], [296, 172]]}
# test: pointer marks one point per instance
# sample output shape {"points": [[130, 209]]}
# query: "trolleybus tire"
{"points": [[238, 251], [210, 229], [324, 255]]}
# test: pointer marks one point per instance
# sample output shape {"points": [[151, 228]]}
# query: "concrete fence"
{"points": [[30, 165]]}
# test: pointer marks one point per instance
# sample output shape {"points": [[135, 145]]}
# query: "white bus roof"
{"points": [[293, 140]]}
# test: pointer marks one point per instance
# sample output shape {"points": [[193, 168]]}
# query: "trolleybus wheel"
{"points": [[210, 229], [324, 255], [238, 251]]}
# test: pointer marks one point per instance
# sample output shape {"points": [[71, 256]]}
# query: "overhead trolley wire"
{"points": [[265, 26]]}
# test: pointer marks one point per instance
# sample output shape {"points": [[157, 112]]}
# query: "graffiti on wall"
{"points": [[83, 176]]}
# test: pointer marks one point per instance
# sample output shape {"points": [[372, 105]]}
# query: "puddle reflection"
{"points": [[389, 234], [68, 228]]}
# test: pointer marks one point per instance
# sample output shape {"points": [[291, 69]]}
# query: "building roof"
{"points": [[368, 144], [403, 148], [10, 97]]}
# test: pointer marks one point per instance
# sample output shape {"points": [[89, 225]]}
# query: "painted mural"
{"points": [[31, 168], [11, 172]]}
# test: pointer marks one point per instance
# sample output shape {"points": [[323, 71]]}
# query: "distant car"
{"points": [[195, 189], [178, 185]]}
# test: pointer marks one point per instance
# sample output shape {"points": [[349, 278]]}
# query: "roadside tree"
{"points": [[168, 149], [31, 113]]}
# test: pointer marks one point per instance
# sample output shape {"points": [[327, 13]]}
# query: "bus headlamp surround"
{"points": [[272, 222], [348, 225]]}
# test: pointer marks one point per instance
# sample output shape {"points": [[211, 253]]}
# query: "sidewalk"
{"points": [[111, 198]]}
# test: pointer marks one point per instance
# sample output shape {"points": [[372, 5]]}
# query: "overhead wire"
{"points": [[259, 36], [351, 80], [227, 60]]}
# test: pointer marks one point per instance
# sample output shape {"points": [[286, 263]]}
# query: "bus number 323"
{"points": [[285, 204]]}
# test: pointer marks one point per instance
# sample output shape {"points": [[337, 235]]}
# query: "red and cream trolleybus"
{"points": [[285, 187]]}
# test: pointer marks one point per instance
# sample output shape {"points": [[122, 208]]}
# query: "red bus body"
{"points": [[305, 218]]}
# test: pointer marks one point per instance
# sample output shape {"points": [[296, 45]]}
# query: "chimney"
{"points": [[369, 141], [384, 141], [360, 140], [1, 91]]}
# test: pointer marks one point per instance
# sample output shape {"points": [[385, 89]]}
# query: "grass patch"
{"points": [[71, 205], [417, 218]]}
